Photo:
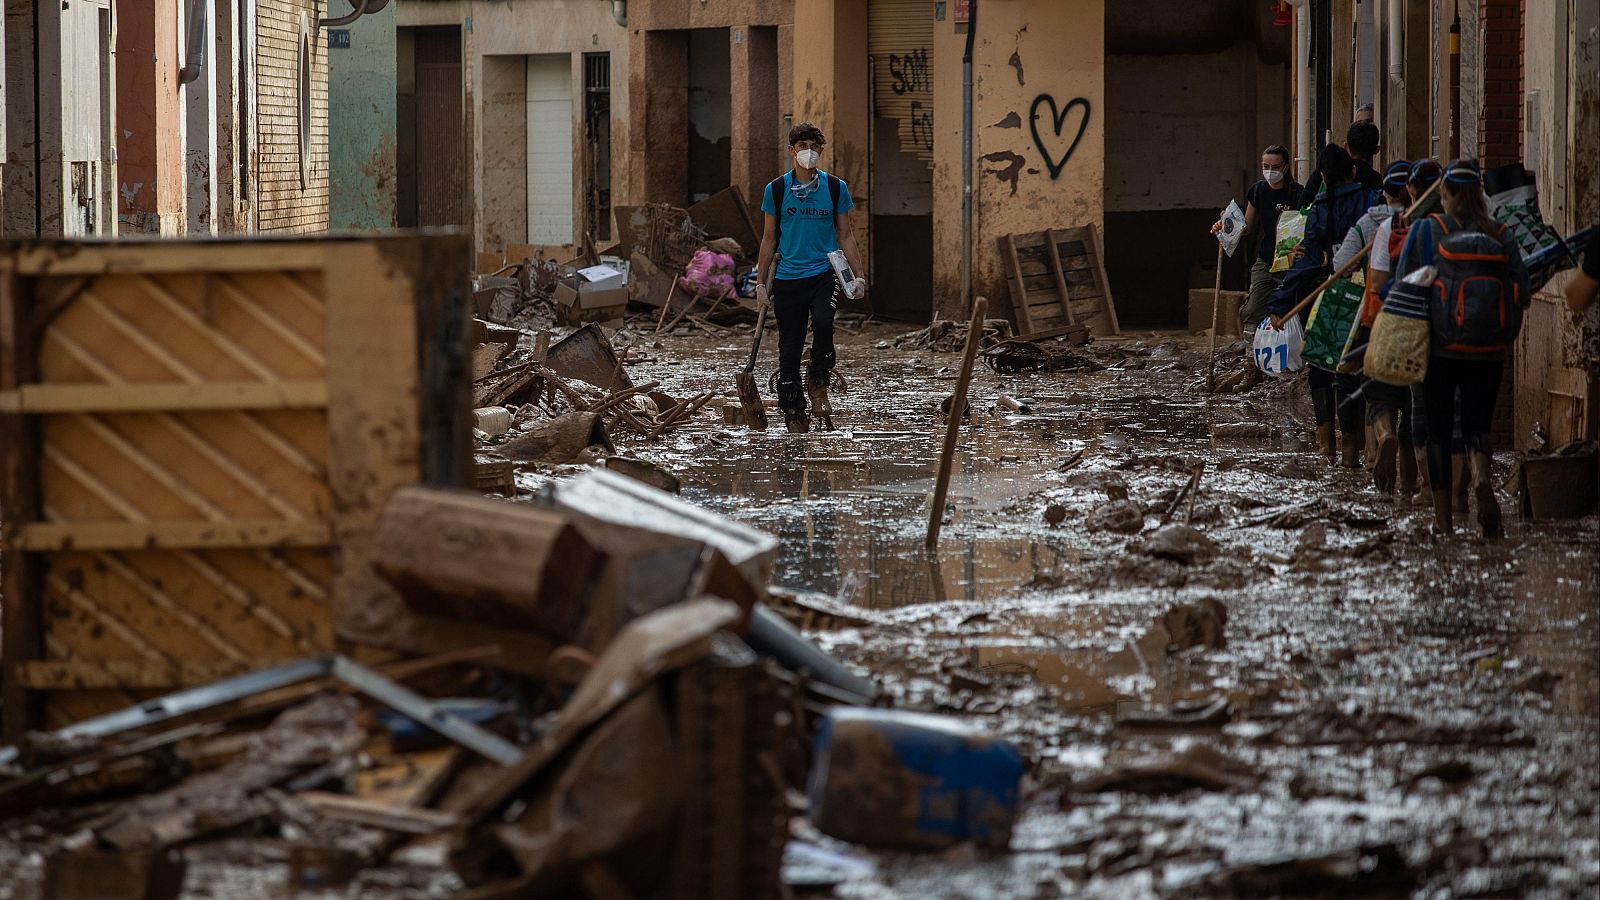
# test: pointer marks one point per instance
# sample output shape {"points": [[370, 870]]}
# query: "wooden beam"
{"points": [[1105, 282], [21, 631], [1060, 274], [152, 257], [1019, 295], [165, 396], [169, 535]]}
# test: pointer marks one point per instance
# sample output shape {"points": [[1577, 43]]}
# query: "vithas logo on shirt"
{"points": [[808, 211]]}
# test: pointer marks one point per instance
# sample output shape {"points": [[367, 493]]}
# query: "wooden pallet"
{"points": [[1058, 278], [195, 440]]}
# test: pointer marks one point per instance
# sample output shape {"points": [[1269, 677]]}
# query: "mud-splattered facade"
{"points": [[361, 123], [165, 118], [512, 119]]}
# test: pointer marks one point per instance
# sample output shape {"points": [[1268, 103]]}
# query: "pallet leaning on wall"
{"points": [[195, 440], [1058, 278]]}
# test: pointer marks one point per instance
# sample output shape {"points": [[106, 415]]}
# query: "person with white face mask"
{"points": [[806, 219], [1274, 193]]}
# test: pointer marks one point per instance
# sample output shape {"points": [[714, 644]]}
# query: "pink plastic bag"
{"points": [[708, 274]]}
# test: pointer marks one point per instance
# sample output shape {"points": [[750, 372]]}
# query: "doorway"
{"points": [[710, 113], [900, 42], [431, 183]]}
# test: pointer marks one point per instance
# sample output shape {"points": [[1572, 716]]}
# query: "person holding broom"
{"points": [[806, 219]]}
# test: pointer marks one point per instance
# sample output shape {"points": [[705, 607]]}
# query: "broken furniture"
{"points": [[198, 436], [1058, 277]]}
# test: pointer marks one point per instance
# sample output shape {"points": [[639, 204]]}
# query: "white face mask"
{"points": [[807, 158], [1271, 176]]}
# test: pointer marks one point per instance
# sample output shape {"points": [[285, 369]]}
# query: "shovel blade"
{"points": [[751, 409]]}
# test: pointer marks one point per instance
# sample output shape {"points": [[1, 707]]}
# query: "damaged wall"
{"points": [[1184, 133], [1039, 141], [362, 123], [506, 31], [830, 78], [149, 108]]}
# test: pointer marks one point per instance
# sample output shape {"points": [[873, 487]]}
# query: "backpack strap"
{"points": [[833, 193], [1445, 222], [775, 191]]}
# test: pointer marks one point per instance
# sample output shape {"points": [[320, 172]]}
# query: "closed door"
{"points": [[441, 138], [550, 150]]}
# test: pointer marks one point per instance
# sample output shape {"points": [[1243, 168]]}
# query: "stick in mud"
{"points": [[1216, 318], [952, 428]]}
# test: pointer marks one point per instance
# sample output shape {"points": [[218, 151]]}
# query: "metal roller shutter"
{"points": [[900, 39]]}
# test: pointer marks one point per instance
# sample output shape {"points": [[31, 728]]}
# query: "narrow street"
{"points": [[1410, 714]]}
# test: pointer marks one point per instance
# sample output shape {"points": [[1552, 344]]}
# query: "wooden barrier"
{"points": [[196, 438]]}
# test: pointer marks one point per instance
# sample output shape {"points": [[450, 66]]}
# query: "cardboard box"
{"points": [[556, 253], [1200, 311], [596, 294]]}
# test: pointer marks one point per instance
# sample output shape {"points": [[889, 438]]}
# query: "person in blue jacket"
{"points": [[1335, 211]]}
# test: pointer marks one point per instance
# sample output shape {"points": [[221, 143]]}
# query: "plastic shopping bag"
{"points": [[1329, 325], [1291, 231], [1232, 228], [1277, 352]]}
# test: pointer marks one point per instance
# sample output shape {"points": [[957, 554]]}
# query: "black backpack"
{"points": [[775, 191], [1475, 304]]}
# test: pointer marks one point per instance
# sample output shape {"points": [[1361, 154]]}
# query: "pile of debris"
{"points": [[1054, 350], [946, 336], [593, 693]]}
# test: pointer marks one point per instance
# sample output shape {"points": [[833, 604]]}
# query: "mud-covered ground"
{"points": [[1405, 715], [1383, 713]]}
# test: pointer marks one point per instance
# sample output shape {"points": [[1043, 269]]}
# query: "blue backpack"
{"points": [[1475, 305]]}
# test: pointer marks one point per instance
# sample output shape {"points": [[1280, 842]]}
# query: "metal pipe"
{"points": [[966, 158], [619, 12], [196, 55], [358, 9], [1304, 91], [1397, 41]]}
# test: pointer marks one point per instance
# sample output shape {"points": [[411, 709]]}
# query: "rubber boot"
{"points": [[1322, 406], [821, 407], [1327, 444], [1421, 461], [1459, 481], [1407, 459], [1383, 468], [1352, 431], [1483, 488], [1439, 478], [1350, 450], [796, 422]]}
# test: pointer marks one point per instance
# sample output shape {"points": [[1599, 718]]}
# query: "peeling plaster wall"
{"points": [[526, 28], [150, 154], [1029, 174], [361, 126], [830, 79]]}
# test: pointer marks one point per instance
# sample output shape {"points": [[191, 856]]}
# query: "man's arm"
{"points": [[1581, 291], [847, 243], [769, 247]]}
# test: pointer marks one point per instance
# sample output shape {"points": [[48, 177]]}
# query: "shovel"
{"points": [[751, 409]]}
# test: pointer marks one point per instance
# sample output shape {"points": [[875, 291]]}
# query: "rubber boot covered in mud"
{"points": [[1406, 458], [1460, 482], [1388, 442], [1439, 479], [821, 405], [1483, 488], [1352, 431], [1322, 406]]}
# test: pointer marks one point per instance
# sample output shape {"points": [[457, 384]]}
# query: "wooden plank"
{"points": [[1048, 333], [131, 674], [373, 378], [1105, 282], [171, 535], [1019, 297], [21, 631], [409, 820], [1059, 274], [300, 393], [261, 255]]}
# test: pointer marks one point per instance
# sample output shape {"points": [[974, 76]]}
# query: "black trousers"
{"points": [[794, 303], [1478, 384], [1385, 398], [1327, 390]]}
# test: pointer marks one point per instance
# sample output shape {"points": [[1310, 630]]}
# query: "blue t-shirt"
{"points": [[807, 233]]}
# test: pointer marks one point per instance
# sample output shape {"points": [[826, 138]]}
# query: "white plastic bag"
{"points": [[1232, 227], [1277, 352]]}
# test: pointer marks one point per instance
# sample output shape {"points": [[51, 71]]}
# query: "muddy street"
{"points": [[1364, 710]]}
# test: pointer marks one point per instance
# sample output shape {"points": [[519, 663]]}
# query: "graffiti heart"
{"points": [[1057, 125]]}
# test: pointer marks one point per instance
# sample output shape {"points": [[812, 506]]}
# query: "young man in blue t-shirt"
{"points": [[805, 220]]}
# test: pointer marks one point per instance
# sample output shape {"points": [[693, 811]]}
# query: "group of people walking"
{"points": [[1415, 222]]}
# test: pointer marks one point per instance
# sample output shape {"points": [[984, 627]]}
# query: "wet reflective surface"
{"points": [[1420, 716]]}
